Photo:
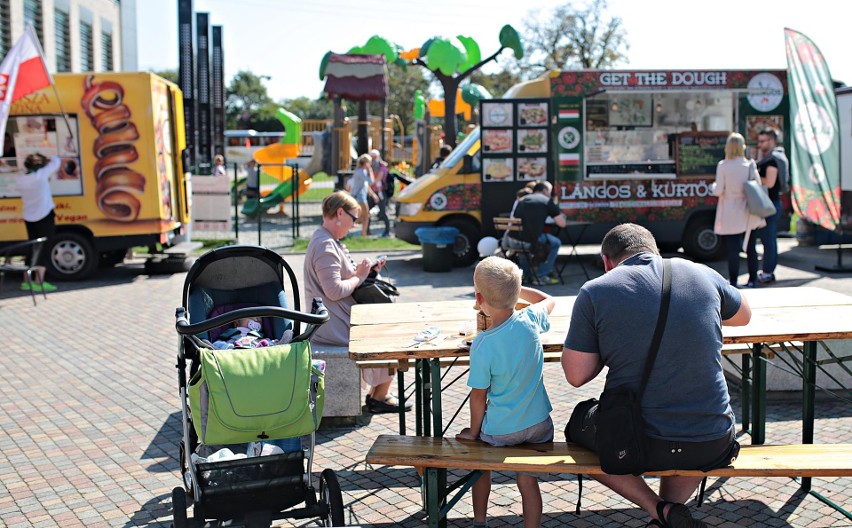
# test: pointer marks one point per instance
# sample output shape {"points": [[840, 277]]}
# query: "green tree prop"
{"points": [[452, 60]]}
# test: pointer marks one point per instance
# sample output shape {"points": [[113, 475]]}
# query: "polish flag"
{"points": [[569, 159], [22, 72], [569, 113]]}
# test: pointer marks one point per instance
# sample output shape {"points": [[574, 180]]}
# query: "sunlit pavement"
{"points": [[90, 418]]}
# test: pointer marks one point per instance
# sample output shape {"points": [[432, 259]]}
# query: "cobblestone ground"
{"points": [[90, 418]]}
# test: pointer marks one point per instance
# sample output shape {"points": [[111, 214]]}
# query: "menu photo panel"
{"points": [[497, 141], [533, 114], [532, 140], [497, 114], [498, 170], [532, 169]]}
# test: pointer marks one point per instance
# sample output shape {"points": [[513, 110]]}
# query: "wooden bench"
{"points": [[432, 456]]}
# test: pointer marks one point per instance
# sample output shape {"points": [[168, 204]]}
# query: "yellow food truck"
{"points": [[121, 182], [619, 146]]}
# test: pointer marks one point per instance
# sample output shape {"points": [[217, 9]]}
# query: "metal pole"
{"points": [[258, 211], [236, 205]]}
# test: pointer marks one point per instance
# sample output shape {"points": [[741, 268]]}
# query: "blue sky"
{"points": [[286, 39]]}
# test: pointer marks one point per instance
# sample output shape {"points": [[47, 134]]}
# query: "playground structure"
{"points": [[276, 177]]}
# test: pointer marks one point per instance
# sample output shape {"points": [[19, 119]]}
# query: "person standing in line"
{"points": [[689, 423], [39, 218], [772, 167], [733, 219]]}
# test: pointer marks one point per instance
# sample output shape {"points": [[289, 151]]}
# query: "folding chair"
{"points": [[506, 224], [8, 264]]}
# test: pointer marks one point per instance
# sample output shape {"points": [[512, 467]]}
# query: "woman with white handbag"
{"points": [[734, 223]]}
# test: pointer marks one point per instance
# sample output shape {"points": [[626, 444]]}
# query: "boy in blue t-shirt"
{"points": [[506, 364]]}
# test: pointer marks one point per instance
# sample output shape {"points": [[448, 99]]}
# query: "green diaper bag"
{"points": [[246, 395]]}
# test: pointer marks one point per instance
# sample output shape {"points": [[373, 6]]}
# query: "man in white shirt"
{"points": [[34, 186]]}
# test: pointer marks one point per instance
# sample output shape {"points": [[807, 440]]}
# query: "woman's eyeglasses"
{"points": [[350, 215]]}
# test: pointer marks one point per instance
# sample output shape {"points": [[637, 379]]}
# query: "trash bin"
{"points": [[437, 244]]}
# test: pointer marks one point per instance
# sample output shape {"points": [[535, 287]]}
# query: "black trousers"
{"points": [[46, 227]]}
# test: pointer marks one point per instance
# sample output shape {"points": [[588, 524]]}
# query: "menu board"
{"points": [[515, 140], [698, 153], [515, 150], [46, 135]]}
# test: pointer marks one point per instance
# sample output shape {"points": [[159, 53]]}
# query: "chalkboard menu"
{"points": [[698, 153]]}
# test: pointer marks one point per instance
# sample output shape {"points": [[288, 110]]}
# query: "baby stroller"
{"points": [[230, 398]]}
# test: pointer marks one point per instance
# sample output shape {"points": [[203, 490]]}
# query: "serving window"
{"points": [[631, 134]]}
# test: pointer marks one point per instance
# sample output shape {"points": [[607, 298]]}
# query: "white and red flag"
{"points": [[22, 72]]}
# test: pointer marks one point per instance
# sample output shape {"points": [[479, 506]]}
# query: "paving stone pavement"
{"points": [[90, 416]]}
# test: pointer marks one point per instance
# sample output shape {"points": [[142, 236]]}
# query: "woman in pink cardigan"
{"points": [[331, 273], [733, 220]]}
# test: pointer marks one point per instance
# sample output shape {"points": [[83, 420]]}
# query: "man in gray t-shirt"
{"points": [[686, 408]]}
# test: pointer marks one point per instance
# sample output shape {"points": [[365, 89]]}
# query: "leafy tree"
{"points": [[307, 108], [452, 60], [496, 83], [245, 96], [570, 37], [169, 75]]}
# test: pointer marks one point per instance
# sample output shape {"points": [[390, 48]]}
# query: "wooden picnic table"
{"points": [[779, 315]]}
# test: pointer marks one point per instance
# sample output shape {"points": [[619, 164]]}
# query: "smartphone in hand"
{"points": [[380, 260]]}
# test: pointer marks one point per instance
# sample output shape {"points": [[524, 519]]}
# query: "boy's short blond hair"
{"points": [[499, 282]]}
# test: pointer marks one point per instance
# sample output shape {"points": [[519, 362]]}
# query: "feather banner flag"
{"points": [[815, 145]]}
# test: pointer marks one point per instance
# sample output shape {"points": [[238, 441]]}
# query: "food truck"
{"points": [[619, 146], [121, 182]]}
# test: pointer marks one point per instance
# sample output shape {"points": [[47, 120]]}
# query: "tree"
{"points": [[245, 96], [496, 83], [307, 108], [453, 60], [169, 75], [568, 37]]}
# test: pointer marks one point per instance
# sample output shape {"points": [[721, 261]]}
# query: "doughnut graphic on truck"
{"points": [[619, 146], [122, 182]]}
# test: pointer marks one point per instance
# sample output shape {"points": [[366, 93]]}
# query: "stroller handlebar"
{"points": [[318, 316]]}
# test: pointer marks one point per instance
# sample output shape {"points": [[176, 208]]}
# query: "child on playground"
{"points": [[506, 363]]}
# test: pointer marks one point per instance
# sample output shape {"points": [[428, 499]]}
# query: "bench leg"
{"points": [[437, 411], [808, 398], [758, 405], [427, 396], [435, 483], [418, 397], [400, 387]]}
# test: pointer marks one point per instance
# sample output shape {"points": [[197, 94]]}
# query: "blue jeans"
{"points": [[769, 238], [544, 268]]}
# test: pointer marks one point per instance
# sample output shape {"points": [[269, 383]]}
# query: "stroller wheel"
{"points": [[330, 496], [179, 508], [184, 469]]}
